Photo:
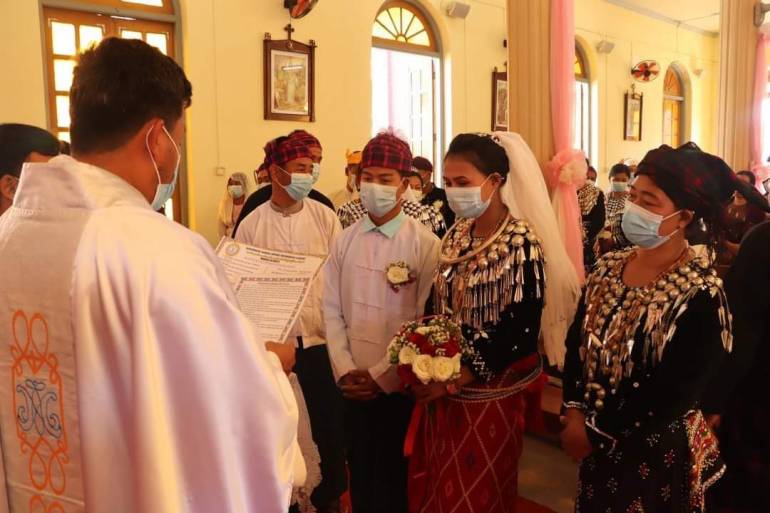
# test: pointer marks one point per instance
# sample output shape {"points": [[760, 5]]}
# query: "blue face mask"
{"points": [[466, 202], [301, 184], [378, 199], [641, 226], [619, 186], [164, 191]]}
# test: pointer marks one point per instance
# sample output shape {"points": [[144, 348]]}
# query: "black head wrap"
{"points": [[17, 141], [697, 181]]}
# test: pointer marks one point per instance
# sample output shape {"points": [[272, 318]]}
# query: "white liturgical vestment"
{"points": [[362, 311], [129, 380]]}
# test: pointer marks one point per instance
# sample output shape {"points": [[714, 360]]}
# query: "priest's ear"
{"points": [[8, 185]]}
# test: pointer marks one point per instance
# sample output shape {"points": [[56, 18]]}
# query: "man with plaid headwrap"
{"points": [[431, 217], [262, 195], [292, 222], [364, 309]]}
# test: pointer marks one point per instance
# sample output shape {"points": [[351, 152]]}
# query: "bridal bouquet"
{"points": [[429, 350]]}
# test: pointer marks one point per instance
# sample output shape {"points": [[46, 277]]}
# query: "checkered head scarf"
{"points": [[285, 149], [696, 181], [306, 138], [388, 151]]}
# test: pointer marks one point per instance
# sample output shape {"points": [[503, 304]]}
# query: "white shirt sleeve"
{"points": [[336, 329]]}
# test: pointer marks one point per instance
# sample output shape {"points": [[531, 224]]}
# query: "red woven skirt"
{"points": [[466, 453]]}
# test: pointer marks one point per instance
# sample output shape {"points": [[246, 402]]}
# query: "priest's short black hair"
{"points": [[17, 141], [118, 87]]}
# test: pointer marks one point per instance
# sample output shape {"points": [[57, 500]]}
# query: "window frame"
{"points": [[680, 101], [105, 12], [400, 46], [584, 78]]}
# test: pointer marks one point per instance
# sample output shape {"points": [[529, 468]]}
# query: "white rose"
{"points": [[398, 275], [407, 355], [457, 361], [424, 330], [443, 369], [422, 366]]}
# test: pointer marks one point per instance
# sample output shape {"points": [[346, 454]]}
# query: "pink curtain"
{"points": [[567, 170], [759, 167]]}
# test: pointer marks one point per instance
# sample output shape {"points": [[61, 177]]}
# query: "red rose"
{"points": [[416, 339], [451, 348]]}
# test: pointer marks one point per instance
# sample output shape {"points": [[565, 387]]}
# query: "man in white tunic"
{"points": [[364, 310], [132, 381], [292, 222]]}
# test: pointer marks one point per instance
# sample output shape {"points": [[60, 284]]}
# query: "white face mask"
{"points": [[413, 195], [236, 191], [466, 202], [378, 199], [164, 191]]}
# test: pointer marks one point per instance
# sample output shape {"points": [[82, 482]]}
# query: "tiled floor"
{"points": [[547, 476]]}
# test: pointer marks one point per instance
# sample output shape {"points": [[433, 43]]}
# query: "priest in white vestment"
{"points": [[132, 382]]}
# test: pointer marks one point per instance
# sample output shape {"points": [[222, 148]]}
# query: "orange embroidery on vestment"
{"points": [[37, 392]]}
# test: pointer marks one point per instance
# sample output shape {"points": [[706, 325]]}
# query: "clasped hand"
{"points": [[359, 385]]}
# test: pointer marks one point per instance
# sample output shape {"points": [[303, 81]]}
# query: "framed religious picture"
{"points": [[632, 128], [289, 80], [499, 100]]}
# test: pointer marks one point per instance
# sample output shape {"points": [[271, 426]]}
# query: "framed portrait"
{"points": [[499, 100], [632, 129], [289, 80]]}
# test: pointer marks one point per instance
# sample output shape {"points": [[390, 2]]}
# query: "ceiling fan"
{"points": [[299, 8]]}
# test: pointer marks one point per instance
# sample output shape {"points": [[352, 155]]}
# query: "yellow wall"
{"points": [[639, 38], [22, 87], [223, 58]]}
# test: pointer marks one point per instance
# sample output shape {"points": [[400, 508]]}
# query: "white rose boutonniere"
{"points": [[438, 205], [399, 275]]}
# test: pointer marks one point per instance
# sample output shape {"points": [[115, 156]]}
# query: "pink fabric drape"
{"points": [[565, 171], [759, 167]]}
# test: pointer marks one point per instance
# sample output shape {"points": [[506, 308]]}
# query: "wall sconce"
{"points": [[759, 13]]}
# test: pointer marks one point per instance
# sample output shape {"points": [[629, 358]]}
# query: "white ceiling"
{"points": [[698, 14]]}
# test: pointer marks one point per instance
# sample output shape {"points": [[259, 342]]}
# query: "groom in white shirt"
{"points": [[132, 382], [363, 312], [292, 222]]}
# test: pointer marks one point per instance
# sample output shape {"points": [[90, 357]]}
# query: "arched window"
{"points": [[673, 107], [582, 102], [70, 31], [406, 78], [401, 26]]}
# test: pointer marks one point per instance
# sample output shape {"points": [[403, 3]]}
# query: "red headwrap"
{"points": [[306, 138], [387, 151], [285, 149]]}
